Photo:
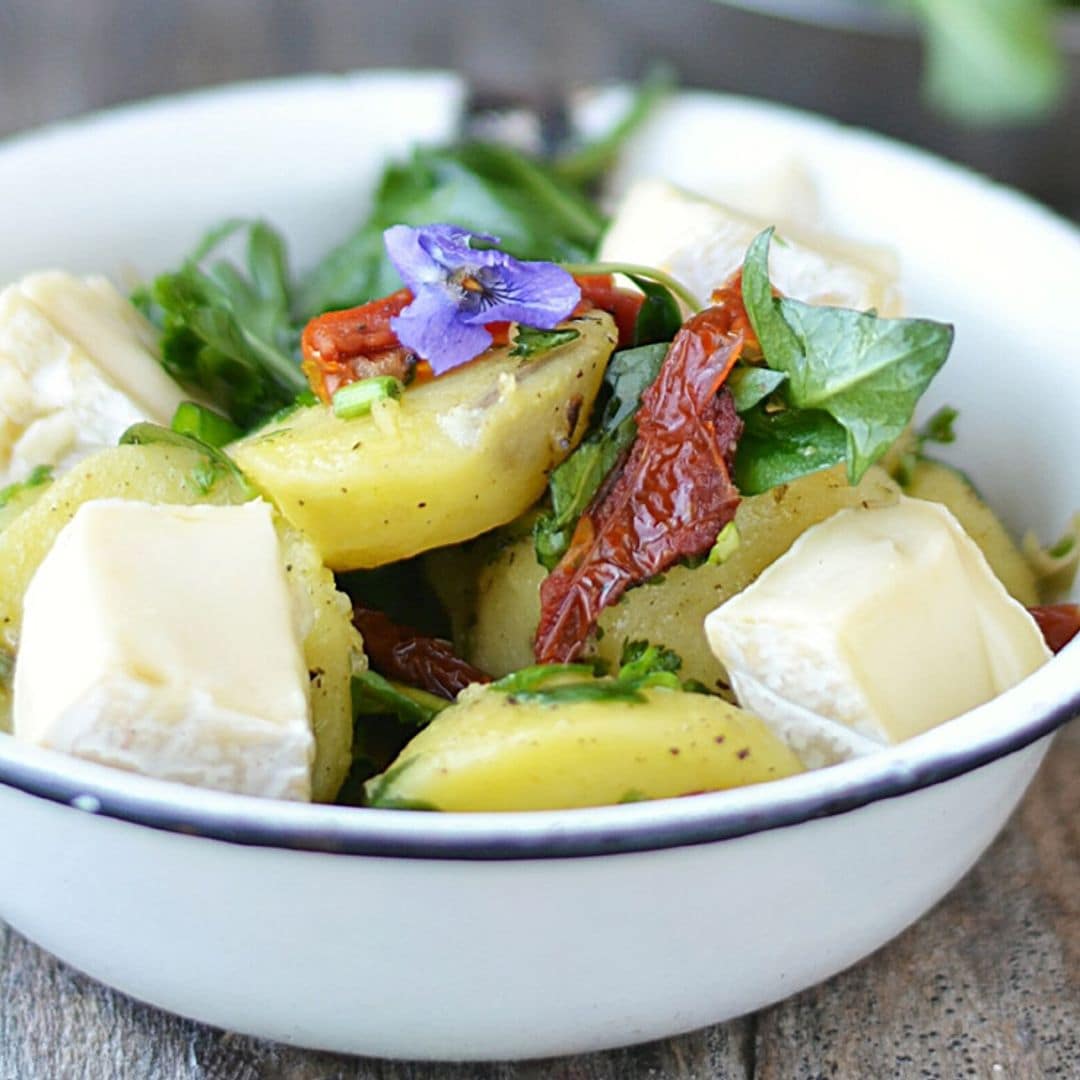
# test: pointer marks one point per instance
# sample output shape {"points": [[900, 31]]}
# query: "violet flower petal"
{"points": [[532, 293], [432, 328]]}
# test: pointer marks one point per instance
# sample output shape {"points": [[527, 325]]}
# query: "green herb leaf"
{"points": [[991, 60], [776, 448], [204, 424], [727, 543], [229, 335], [374, 695], [660, 317], [358, 398], [479, 186], [217, 463], [39, 476], [865, 372], [574, 483], [530, 342], [750, 384]]}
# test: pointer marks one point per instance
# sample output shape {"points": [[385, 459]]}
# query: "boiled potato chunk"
{"points": [[175, 475], [490, 752], [935, 482], [456, 456], [671, 611]]}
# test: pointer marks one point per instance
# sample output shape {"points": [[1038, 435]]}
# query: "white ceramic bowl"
{"points": [[497, 936]]}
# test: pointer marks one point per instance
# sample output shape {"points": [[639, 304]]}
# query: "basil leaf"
{"points": [[866, 372], [776, 448], [575, 482], [749, 385], [530, 342]]}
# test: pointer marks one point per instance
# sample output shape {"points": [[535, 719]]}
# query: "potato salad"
{"points": [[521, 498]]}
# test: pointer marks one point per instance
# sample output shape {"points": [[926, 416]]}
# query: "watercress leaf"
{"points": [[866, 372], [530, 342], [612, 429], [776, 448], [750, 384]]}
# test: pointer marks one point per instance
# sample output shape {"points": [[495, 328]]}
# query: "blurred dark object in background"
{"points": [[59, 58]]}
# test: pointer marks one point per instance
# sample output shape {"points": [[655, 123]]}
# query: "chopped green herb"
{"points": [[863, 372], [358, 398], [7, 667], [204, 424], [39, 476], [216, 463], [529, 341], [372, 694], [938, 429], [727, 543]]}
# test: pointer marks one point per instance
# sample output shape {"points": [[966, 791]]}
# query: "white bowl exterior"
{"points": [[446, 959]]}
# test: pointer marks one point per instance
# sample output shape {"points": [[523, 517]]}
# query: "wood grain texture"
{"points": [[987, 985]]}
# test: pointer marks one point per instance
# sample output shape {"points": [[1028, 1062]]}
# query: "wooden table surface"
{"points": [[987, 985]]}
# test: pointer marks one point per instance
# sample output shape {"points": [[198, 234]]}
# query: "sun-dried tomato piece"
{"points": [[402, 653], [1059, 623], [624, 305], [673, 494]]}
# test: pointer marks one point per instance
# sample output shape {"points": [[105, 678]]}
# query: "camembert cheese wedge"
{"points": [[162, 639], [887, 620], [702, 243], [78, 366]]}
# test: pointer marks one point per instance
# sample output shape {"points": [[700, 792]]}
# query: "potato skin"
{"points": [[489, 752], [170, 475], [937, 482], [456, 457], [672, 610]]}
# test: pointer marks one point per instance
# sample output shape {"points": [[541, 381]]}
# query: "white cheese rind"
{"points": [[703, 243], [163, 640], [77, 367], [888, 620]]}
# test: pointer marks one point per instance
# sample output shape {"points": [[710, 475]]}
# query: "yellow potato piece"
{"points": [[489, 752], [454, 458], [176, 475], [671, 611], [935, 482]]}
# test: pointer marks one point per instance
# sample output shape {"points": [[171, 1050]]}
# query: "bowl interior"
{"points": [[128, 193]]}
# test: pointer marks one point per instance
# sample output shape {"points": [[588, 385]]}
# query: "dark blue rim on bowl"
{"points": [[598, 831]]}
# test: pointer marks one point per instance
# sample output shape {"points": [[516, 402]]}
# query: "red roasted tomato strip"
{"points": [[402, 653], [1059, 623], [673, 494], [342, 347]]}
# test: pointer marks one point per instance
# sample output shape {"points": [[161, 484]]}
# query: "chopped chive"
{"points": [[204, 424], [727, 543], [357, 398]]}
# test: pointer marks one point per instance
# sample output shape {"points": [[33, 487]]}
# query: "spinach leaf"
{"points": [[865, 372], [750, 384], [574, 483], [39, 476], [229, 334], [778, 447]]}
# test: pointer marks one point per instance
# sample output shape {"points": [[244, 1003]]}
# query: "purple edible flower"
{"points": [[458, 289]]}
